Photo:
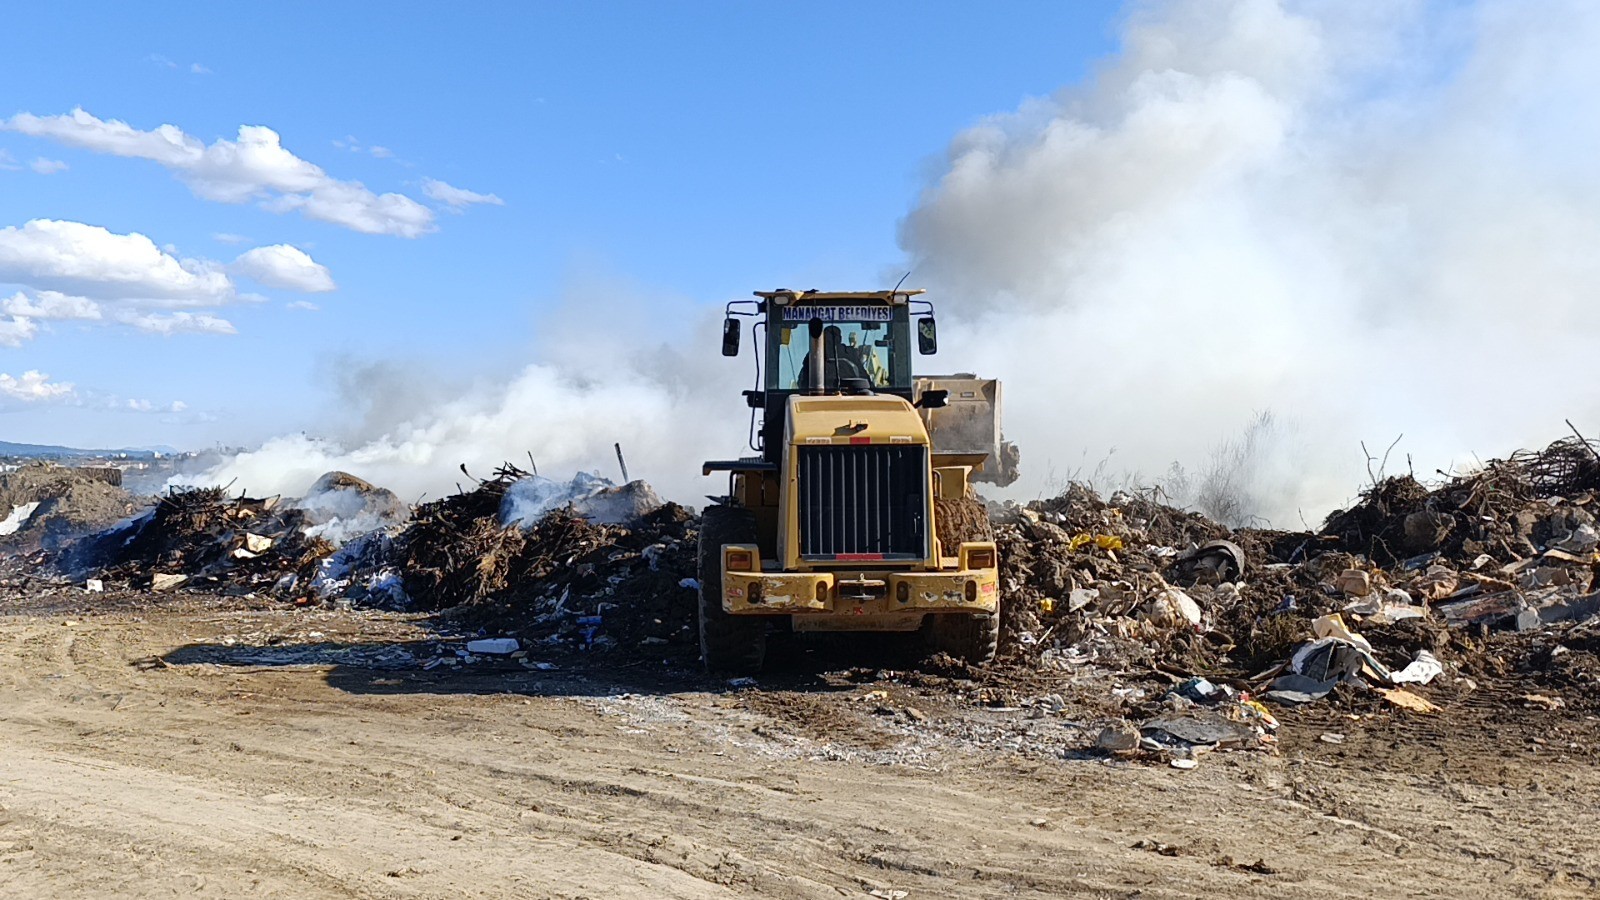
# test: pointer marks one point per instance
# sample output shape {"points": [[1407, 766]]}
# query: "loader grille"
{"points": [[862, 501]]}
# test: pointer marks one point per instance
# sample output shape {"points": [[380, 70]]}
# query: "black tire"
{"points": [[968, 637], [735, 644]]}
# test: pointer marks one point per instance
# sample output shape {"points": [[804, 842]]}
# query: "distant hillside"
{"points": [[53, 451]]}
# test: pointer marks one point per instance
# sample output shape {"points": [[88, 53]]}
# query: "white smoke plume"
{"points": [[629, 375], [1367, 219], [1363, 219]]}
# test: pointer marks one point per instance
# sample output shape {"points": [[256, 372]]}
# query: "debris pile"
{"points": [[340, 507], [588, 563], [1488, 575], [203, 535], [44, 506]]}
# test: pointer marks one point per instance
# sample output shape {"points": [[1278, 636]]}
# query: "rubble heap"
{"points": [[610, 564], [1483, 574], [204, 535], [1488, 574], [44, 506], [561, 574]]}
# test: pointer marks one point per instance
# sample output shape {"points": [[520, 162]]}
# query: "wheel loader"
{"points": [[856, 512]]}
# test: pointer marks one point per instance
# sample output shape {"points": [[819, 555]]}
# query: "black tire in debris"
{"points": [[972, 638], [735, 644]]}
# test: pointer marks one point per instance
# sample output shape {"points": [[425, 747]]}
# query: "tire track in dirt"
{"points": [[130, 780]]}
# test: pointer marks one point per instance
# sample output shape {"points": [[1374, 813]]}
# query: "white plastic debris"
{"points": [[18, 518], [690, 583], [256, 543], [162, 581], [1422, 670], [94, 586], [494, 646]]}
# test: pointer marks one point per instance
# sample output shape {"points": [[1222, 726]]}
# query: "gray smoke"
{"points": [[1365, 219]]}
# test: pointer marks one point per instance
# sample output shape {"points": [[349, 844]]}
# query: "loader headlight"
{"points": [[980, 558], [902, 592], [972, 592]]}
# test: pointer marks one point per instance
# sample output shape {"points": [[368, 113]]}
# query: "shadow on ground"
{"points": [[807, 663]]}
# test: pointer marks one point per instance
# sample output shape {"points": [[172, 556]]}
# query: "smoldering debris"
{"points": [[208, 538], [340, 506], [588, 562], [563, 575], [1408, 598]]}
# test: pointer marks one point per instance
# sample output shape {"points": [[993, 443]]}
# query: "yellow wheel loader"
{"points": [[854, 514]]}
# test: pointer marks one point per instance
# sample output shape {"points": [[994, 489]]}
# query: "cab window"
{"points": [[853, 350]]}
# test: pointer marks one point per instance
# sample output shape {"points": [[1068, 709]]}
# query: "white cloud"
{"points": [[350, 204], [50, 305], [197, 69], [90, 260], [17, 330], [254, 167], [223, 237], [456, 198], [176, 323], [161, 61], [47, 166], [34, 386], [8, 163], [305, 305], [380, 152], [137, 405], [284, 266]]}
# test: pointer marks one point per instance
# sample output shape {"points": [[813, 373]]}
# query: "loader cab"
{"points": [[862, 341], [865, 344]]}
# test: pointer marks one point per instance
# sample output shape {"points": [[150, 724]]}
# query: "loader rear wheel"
{"points": [[727, 643], [968, 637]]}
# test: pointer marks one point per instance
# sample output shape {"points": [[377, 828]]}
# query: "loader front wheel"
{"points": [[967, 637], [728, 643]]}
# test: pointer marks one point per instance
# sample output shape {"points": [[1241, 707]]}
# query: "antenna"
{"points": [[900, 282]]}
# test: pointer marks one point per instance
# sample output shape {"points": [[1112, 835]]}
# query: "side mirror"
{"points": [[934, 398], [730, 336], [927, 336]]}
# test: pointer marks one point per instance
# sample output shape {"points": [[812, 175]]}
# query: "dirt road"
{"points": [[194, 748]]}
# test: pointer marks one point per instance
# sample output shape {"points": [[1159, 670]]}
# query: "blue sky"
{"points": [[692, 151]]}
